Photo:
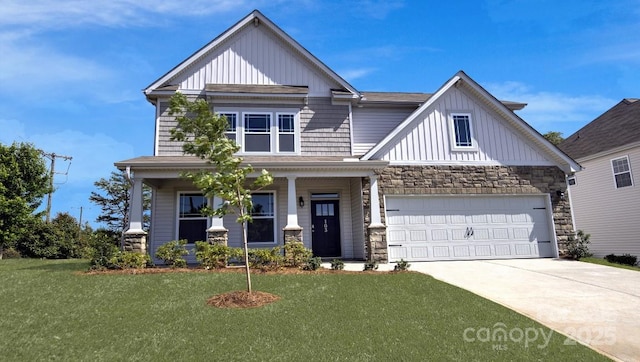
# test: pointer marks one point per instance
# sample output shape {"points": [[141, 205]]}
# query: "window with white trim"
{"points": [[192, 224], [286, 132], [263, 131], [461, 130], [263, 227], [232, 125], [622, 172]]}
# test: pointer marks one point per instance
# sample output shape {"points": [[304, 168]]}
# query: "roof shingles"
{"points": [[616, 127]]}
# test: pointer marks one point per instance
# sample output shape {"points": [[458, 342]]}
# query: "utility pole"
{"points": [[52, 157]]}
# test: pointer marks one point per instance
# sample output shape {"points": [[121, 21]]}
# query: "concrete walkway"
{"points": [[597, 305]]}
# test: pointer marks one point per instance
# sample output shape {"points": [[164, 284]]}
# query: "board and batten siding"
{"points": [[428, 138], [371, 125], [256, 56], [324, 127], [611, 215]]}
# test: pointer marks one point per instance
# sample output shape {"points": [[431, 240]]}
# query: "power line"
{"points": [[52, 156]]}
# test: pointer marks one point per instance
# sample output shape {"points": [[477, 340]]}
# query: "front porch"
{"points": [[327, 210]]}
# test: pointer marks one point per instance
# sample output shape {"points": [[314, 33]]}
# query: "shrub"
{"points": [[337, 264], [171, 253], [402, 265], [371, 265], [11, 253], [130, 260], [295, 254], [313, 263], [215, 256], [577, 247], [101, 251], [626, 259], [265, 259]]}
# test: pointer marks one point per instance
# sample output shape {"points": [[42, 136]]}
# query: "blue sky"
{"points": [[72, 71]]}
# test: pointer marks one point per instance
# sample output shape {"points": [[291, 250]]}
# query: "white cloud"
{"points": [[552, 111], [352, 74], [44, 14]]}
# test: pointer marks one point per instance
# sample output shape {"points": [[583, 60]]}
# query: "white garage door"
{"points": [[422, 228]]}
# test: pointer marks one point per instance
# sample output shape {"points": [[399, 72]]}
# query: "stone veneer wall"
{"points": [[474, 180]]}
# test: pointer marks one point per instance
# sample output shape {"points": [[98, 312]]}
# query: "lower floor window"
{"points": [[262, 229], [192, 225]]}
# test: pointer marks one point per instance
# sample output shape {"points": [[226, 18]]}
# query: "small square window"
{"points": [[622, 172]]}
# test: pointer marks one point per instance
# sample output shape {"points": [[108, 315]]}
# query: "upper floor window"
{"points": [[232, 124], [622, 172], [461, 130], [264, 131]]}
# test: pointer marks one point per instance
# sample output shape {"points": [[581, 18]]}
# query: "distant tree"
{"points": [[203, 134], [24, 181], [59, 239], [554, 137], [114, 202]]}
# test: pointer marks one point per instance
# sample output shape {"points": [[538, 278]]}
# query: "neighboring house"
{"points": [[358, 175], [605, 196]]}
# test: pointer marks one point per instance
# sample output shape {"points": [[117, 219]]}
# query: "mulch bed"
{"points": [[242, 299]]}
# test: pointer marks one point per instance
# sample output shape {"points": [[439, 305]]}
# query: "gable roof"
{"points": [[256, 18], [616, 127], [461, 79]]}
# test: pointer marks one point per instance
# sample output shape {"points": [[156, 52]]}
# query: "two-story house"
{"points": [[455, 174], [605, 196]]}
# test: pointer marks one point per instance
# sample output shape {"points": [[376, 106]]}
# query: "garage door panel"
{"points": [[476, 227], [482, 250], [439, 235], [500, 233]]}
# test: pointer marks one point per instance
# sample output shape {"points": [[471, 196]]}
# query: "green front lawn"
{"points": [[605, 262], [50, 313]]}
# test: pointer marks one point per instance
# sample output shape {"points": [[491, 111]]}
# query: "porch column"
{"points": [[135, 238], [376, 220], [293, 231], [217, 233], [376, 233]]}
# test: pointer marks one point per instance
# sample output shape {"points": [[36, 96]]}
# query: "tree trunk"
{"points": [[246, 254]]}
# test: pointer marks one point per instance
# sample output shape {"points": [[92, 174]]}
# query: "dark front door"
{"points": [[325, 228]]}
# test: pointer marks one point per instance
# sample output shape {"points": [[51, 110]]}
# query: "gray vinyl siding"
{"points": [[324, 127], [351, 219], [611, 215], [165, 146], [371, 125], [357, 221]]}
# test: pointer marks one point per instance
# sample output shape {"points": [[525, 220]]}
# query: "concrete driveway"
{"points": [[594, 304]]}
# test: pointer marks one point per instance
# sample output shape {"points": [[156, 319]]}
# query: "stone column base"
{"points": [[377, 244], [135, 242], [292, 234], [218, 236]]}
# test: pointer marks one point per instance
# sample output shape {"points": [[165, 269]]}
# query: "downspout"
{"points": [[351, 127]]}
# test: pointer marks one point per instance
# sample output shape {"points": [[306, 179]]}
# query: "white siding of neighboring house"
{"points": [[255, 55], [428, 139], [371, 125], [611, 215]]}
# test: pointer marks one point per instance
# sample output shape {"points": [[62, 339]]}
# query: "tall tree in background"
{"points": [[554, 137], [203, 134], [24, 181], [114, 202]]}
